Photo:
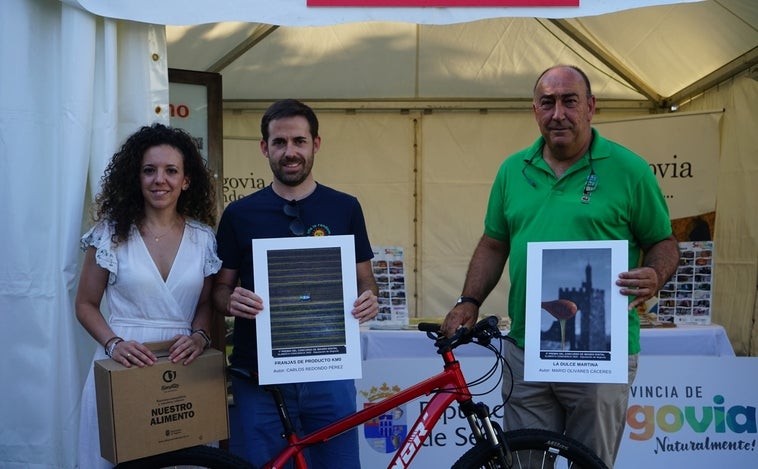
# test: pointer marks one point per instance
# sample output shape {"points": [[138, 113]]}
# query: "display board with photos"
{"points": [[389, 271], [686, 297]]}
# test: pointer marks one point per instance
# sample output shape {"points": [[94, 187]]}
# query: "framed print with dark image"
{"points": [[306, 331], [576, 318]]}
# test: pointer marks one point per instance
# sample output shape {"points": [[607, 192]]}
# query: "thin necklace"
{"points": [[156, 237]]}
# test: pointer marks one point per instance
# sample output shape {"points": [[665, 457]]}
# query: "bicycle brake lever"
{"points": [[487, 324], [447, 343], [485, 330]]}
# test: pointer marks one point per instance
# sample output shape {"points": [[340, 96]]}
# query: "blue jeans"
{"points": [[311, 406]]}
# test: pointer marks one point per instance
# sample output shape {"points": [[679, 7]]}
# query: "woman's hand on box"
{"points": [[130, 352], [186, 348]]}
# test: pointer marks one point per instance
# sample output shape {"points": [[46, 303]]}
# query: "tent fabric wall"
{"points": [[461, 154], [63, 108], [736, 235]]}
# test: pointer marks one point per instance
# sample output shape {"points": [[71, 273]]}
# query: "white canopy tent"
{"points": [[79, 75], [645, 60], [644, 57]]}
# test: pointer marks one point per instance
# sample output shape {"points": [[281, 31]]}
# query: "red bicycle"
{"points": [[493, 448]]}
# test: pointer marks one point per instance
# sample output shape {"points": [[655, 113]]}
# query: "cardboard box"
{"points": [[160, 408]]}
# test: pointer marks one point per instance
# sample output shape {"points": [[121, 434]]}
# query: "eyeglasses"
{"points": [[291, 209], [526, 176]]}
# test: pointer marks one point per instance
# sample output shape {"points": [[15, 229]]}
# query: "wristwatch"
{"points": [[468, 299]]}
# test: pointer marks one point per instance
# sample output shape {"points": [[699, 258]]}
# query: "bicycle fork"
{"points": [[478, 417]]}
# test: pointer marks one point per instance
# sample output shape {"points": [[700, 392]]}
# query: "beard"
{"points": [[288, 178]]}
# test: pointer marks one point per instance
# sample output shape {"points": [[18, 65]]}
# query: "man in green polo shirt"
{"points": [[570, 185]]}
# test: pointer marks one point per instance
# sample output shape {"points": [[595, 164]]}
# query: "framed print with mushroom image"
{"points": [[306, 331], [576, 318]]}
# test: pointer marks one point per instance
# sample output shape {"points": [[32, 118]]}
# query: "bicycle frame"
{"points": [[446, 387], [491, 446]]}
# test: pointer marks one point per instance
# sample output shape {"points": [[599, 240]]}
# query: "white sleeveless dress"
{"points": [[140, 306]]}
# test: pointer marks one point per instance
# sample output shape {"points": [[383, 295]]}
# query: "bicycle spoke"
{"points": [[534, 449], [541, 459]]}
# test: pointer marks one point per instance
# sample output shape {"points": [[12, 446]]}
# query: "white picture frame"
{"points": [[576, 318], [306, 331]]}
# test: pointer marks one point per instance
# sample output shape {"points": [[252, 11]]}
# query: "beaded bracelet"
{"points": [[107, 342], [105, 345], [204, 335], [110, 345]]}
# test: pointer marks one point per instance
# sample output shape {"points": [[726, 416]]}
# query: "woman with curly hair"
{"points": [[152, 254]]}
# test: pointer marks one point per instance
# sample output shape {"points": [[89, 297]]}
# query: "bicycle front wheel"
{"points": [[533, 449], [195, 456]]}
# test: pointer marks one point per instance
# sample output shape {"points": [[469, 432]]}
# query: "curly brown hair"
{"points": [[120, 199]]}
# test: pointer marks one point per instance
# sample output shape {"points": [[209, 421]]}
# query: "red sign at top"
{"points": [[443, 3]]}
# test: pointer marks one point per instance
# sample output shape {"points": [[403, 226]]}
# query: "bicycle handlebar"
{"points": [[482, 333]]}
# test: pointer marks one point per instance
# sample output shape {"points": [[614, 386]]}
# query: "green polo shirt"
{"points": [[527, 204]]}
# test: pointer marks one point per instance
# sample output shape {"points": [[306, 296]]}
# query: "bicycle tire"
{"points": [[208, 457], [534, 449]]}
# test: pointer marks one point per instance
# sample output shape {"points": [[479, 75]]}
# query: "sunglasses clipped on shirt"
{"points": [[291, 209], [589, 186]]}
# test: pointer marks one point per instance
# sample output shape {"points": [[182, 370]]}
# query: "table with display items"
{"points": [[703, 340], [691, 404]]}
